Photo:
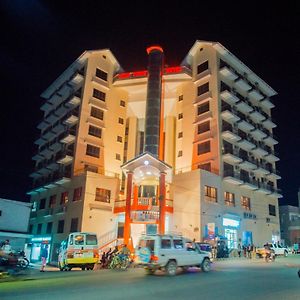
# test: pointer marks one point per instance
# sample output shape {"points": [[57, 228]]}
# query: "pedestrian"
{"points": [[44, 256], [6, 247], [239, 250], [245, 250]]}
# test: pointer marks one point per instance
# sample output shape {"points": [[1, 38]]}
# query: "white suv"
{"points": [[167, 252]]}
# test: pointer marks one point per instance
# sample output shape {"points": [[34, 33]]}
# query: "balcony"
{"points": [[60, 210], [55, 147], [258, 134], [249, 184], [245, 145], [270, 140], [256, 116], [226, 72], [76, 79], [37, 157], [41, 141], [58, 129], [269, 124], [65, 157], [232, 178], [204, 97], [228, 114], [71, 120], [55, 100], [259, 151], [275, 192], [51, 119], [73, 102], [61, 111], [267, 104], [255, 96], [248, 164], [46, 106], [229, 136], [46, 153], [229, 156], [229, 97], [243, 85], [243, 106], [274, 175], [43, 125], [245, 126], [53, 166], [68, 139], [261, 171], [263, 188], [144, 216], [271, 157]]}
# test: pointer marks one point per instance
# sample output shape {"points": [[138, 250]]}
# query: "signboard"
{"points": [[231, 222], [211, 230]]}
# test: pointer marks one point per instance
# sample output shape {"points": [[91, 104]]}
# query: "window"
{"points": [[121, 121], [229, 199], [49, 227], [0, 213], [272, 210], [91, 168], [180, 98], [30, 230], [180, 116], [39, 229], [203, 127], [97, 113], [206, 166], [102, 195], [118, 156], [202, 67], [52, 201], [99, 95], [180, 135], [204, 148], [64, 198], [245, 202], [203, 108], [92, 151], [203, 88], [101, 74], [122, 103], [179, 153], [91, 239], [74, 225], [119, 139], [165, 243], [210, 193], [77, 194], [178, 243], [95, 131], [43, 203], [60, 226]]}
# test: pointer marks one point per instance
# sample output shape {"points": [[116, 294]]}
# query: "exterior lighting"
{"points": [[146, 162]]}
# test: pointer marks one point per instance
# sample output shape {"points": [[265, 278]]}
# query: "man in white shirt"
{"points": [[6, 248]]}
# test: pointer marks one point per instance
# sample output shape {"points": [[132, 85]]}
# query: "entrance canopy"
{"points": [[147, 167]]}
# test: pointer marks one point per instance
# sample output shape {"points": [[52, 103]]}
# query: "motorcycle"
{"points": [[119, 262], [270, 256], [22, 259], [10, 263]]}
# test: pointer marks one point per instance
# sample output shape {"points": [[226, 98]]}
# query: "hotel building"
{"points": [[211, 174]]}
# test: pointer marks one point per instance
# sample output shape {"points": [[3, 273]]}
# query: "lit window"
{"points": [[210, 193], [102, 195], [245, 202], [229, 199]]}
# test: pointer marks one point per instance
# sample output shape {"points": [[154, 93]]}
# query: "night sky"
{"points": [[40, 39]]}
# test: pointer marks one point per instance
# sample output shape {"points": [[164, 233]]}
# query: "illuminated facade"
{"points": [[214, 171]]}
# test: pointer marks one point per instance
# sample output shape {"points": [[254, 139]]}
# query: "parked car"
{"points": [[168, 252], [278, 250]]}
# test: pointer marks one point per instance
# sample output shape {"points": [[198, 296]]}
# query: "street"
{"points": [[228, 279]]}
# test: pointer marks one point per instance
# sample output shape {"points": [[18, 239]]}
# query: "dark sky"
{"points": [[40, 39]]}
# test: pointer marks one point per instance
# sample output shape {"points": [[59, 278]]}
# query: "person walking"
{"points": [[239, 250], [44, 256]]}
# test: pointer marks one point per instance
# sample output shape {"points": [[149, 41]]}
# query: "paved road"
{"points": [[231, 279]]}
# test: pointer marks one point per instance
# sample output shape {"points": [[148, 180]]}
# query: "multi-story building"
{"points": [[290, 223], [216, 146]]}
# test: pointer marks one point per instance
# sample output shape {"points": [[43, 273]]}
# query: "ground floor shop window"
{"points": [[231, 235]]}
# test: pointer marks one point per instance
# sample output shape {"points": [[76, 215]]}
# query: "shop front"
{"points": [[34, 247], [231, 226]]}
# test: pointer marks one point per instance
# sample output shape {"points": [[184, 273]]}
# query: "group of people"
{"points": [[106, 258], [247, 250]]}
